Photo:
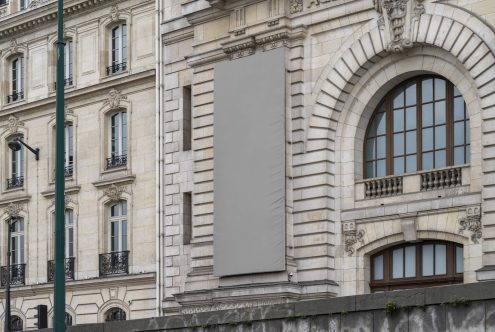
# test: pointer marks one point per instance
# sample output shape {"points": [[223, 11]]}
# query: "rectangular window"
{"points": [[186, 118], [68, 63], [69, 149], [17, 242], [17, 164], [187, 218]]}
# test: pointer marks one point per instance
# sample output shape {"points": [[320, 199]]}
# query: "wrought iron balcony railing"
{"points": [[116, 161], [116, 68], [15, 182], [69, 171], [15, 97], [114, 263], [17, 275], [69, 269], [67, 82]]}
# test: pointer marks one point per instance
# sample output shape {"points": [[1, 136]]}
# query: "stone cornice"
{"points": [[97, 88], [68, 190], [32, 18], [83, 284]]}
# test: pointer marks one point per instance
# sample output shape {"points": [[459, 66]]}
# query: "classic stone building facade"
{"points": [[389, 111], [110, 157]]}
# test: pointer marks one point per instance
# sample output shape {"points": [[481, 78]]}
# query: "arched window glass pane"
{"points": [[68, 319], [17, 324], [422, 124], [115, 314]]}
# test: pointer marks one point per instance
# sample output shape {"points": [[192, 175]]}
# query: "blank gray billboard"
{"points": [[249, 164]]}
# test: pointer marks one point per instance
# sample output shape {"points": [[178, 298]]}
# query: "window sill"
{"points": [[12, 104], [111, 76], [422, 182]]}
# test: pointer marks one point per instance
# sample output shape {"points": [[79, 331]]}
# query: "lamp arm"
{"points": [[35, 151]]}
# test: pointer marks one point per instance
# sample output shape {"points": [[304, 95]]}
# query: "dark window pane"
{"points": [[411, 94], [398, 165], [459, 133], [428, 139], [427, 90], [440, 137], [398, 120], [410, 142], [459, 155], [468, 132], [410, 118], [370, 149], [440, 159], [428, 160], [398, 144], [459, 260], [410, 253], [378, 267], [440, 112], [398, 263], [411, 165], [468, 154], [380, 124], [427, 257], [458, 108], [370, 169], [427, 115], [440, 259], [381, 147], [399, 99], [381, 169], [439, 89]]}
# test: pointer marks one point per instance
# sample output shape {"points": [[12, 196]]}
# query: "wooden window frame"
{"points": [[389, 132], [419, 281]]}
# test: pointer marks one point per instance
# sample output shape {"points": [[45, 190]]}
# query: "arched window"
{"points": [[428, 263], [17, 83], [422, 124], [68, 319], [17, 324], [119, 49], [115, 314]]}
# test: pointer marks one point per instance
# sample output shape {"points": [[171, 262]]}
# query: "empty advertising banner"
{"points": [[249, 164]]}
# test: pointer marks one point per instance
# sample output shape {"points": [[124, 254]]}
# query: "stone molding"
{"points": [[13, 124], [114, 98], [397, 20], [114, 193], [351, 236], [471, 222], [13, 210]]}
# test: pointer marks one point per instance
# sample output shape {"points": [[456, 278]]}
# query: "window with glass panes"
{"points": [[68, 62], [17, 162], [417, 265], [69, 232], [118, 227], [118, 138], [17, 75], [17, 241], [119, 44], [69, 145], [421, 124]]}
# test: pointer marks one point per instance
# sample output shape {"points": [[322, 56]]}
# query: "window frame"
{"points": [[112, 311], [121, 220], [18, 256], [387, 101], [69, 147], [418, 281], [68, 62], [120, 131], [118, 53], [17, 71]]}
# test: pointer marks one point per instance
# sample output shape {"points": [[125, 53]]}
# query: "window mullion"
{"points": [[419, 125], [449, 123], [389, 134]]}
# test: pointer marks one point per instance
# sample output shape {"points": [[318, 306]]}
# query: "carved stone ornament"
{"points": [[115, 192], [398, 19], [114, 98], [241, 50], [114, 13], [296, 6], [13, 124], [14, 48], [351, 236], [472, 222], [67, 200], [13, 210]]}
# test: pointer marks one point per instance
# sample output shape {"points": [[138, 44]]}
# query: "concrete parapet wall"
{"points": [[468, 307]]}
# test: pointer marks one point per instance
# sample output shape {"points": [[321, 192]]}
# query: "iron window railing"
{"points": [[69, 269], [116, 68], [67, 82], [114, 263], [15, 97], [17, 275], [16, 182], [69, 171], [116, 161]]}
